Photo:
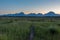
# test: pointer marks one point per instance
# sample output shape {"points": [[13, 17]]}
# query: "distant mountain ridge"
{"points": [[51, 13]]}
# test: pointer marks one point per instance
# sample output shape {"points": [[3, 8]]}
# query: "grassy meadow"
{"points": [[18, 28]]}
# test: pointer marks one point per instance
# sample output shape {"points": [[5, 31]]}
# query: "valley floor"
{"points": [[18, 28]]}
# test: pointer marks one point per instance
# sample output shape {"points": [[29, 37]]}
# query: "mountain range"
{"points": [[51, 13]]}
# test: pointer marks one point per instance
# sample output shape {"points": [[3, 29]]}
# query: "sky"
{"points": [[29, 6]]}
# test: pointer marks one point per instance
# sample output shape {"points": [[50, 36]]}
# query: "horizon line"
{"points": [[29, 12]]}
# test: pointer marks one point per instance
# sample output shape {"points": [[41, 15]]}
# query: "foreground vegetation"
{"points": [[15, 28]]}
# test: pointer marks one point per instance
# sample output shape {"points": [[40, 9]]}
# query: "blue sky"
{"points": [[28, 6]]}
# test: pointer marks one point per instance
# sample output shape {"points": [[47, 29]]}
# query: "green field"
{"points": [[18, 28]]}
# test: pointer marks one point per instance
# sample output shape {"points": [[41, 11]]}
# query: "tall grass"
{"points": [[19, 29]]}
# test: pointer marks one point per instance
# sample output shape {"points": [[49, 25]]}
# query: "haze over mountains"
{"points": [[51, 13]]}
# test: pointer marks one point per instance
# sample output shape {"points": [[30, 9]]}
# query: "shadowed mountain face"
{"points": [[50, 14], [20, 14], [39, 14], [33, 14]]}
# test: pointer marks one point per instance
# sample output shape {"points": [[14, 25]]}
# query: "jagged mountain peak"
{"points": [[21, 13], [51, 13]]}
